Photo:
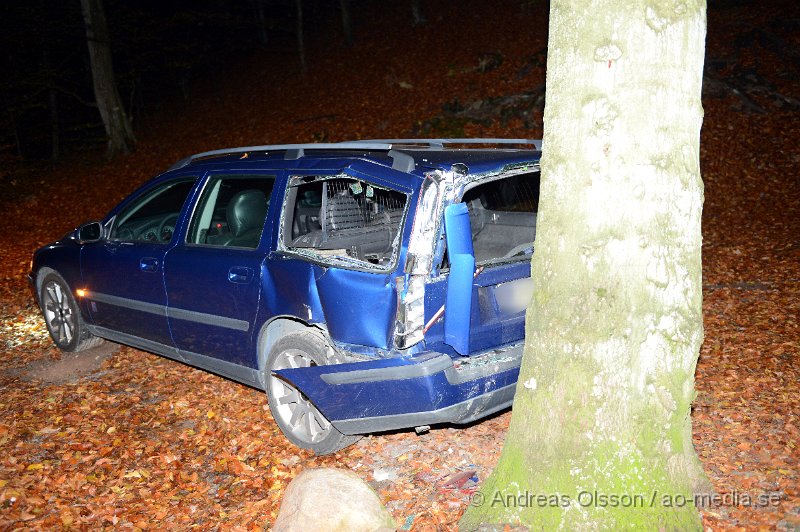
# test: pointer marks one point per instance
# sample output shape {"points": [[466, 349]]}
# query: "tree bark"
{"points": [[115, 120], [601, 434]]}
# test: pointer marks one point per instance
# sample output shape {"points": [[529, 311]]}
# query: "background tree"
{"points": [[115, 119], [347, 24], [301, 46], [40, 47], [162, 52], [261, 19], [417, 16], [614, 329]]}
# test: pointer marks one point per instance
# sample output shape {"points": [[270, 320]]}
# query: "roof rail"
{"points": [[400, 160], [441, 143]]}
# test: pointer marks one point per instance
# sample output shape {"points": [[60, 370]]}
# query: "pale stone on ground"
{"points": [[331, 499]]}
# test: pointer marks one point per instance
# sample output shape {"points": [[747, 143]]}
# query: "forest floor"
{"points": [[117, 437]]}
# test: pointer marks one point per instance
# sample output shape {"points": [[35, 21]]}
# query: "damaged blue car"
{"points": [[365, 286]]}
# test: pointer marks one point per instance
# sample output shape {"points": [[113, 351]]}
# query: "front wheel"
{"points": [[62, 316], [297, 417]]}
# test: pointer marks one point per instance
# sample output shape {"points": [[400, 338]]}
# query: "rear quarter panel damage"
{"points": [[356, 307]]}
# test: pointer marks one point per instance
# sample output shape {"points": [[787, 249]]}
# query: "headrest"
{"points": [[246, 210]]}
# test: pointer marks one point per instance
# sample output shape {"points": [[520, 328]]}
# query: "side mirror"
{"points": [[89, 232]]}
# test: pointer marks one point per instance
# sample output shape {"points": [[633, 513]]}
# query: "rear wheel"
{"points": [[62, 316], [297, 417]]}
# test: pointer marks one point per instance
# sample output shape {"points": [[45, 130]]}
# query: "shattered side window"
{"points": [[343, 221], [502, 215]]}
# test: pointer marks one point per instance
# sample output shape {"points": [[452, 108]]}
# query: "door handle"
{"points": [[148, 264], [239, 274]]}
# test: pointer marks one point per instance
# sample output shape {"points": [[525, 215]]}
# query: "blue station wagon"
{"points": [[365, 286]]}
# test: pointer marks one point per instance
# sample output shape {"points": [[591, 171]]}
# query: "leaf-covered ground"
{"points": [[122, 438]]}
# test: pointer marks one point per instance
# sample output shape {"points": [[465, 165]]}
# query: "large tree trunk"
{"points": [[116, 122], [601, 424]]}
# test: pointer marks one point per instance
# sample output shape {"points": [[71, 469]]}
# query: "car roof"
{"points": [[410, 156]]}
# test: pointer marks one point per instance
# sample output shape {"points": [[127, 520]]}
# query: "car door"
{"points": [[123, 273], [212, 276]]}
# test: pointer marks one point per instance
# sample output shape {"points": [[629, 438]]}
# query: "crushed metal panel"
{"points": [[438, 190], [290, 289], [358, 306]]}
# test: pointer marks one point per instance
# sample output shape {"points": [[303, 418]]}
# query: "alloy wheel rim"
{"points": [[58, 314], [295, 411]]}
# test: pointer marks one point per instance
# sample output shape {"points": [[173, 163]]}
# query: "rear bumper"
{"points": [[398, 393]]}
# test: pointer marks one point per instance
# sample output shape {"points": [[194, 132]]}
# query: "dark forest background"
{"points": [[166, 53], [160, 50]]}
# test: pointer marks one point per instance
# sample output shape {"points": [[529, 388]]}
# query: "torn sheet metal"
{"points": [[410, 319], [438, 190], [358, 306]]}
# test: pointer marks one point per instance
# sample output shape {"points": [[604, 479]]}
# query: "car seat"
{"points": [[246, 212]]}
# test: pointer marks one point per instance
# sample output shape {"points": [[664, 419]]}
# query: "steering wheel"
{"points": [[172, 217]]}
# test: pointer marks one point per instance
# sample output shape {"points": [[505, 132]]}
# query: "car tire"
{"points": [[63, 317], [297, 417]]}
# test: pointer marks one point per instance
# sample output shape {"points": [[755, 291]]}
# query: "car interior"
{"points": [[244, 216], [153, 217], [502, 216], [232, 212], [347, 218]]}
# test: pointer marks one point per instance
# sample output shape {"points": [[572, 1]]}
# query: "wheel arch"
{"points": [[41, 273], [274, 330]]}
